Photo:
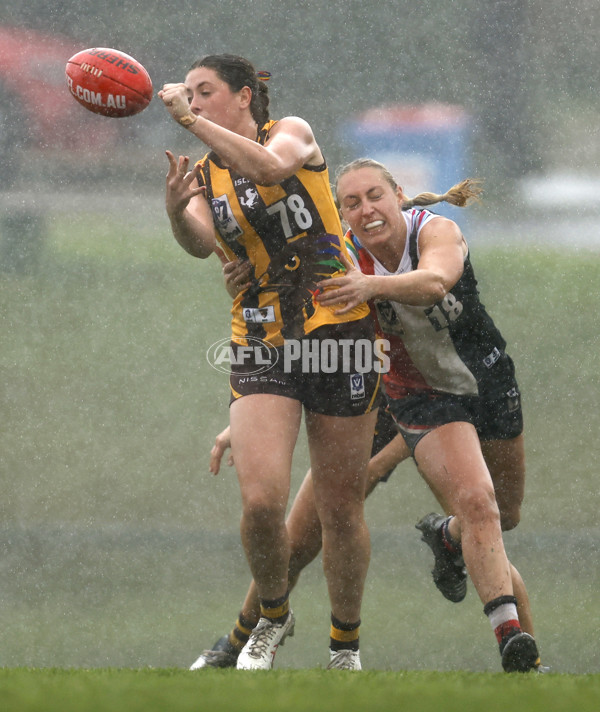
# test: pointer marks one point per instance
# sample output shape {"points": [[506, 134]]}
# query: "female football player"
{"points": [[451, 387], [262, 192]]}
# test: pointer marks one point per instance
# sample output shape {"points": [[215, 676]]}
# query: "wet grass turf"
{"points": [[113, 690]]}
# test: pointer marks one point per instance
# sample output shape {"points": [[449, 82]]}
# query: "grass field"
{"points": [[312, 690], [119, 550]]}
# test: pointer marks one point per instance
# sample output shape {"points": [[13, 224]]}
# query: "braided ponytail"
{"points": [[460, 194]]}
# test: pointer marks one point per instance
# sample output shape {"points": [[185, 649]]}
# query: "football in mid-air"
{"points": [[109, 82]]}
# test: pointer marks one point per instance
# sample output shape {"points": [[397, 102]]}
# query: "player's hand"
{"points": [[222, 443], [352, 289], [182, 184], [237, 275], [176, 98]]}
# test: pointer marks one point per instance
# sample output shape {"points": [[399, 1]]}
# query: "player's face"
{"points": [[212, 98], [371, 206]]}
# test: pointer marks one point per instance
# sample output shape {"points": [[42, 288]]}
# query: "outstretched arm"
{"points": [[440, 266], [291, 142], [188, 211]]}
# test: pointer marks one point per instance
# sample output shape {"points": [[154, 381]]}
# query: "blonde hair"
{"points": [[460, 194]]}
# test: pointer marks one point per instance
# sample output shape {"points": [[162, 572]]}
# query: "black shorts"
{"points": [[331, 371], [495, 416]]}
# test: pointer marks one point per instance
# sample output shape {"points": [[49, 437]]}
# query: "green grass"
{"points": [[158, 690], [118, 549]]}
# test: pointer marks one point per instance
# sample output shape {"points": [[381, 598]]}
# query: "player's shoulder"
{"points": [[439, 231], [292, 124], [432, 224], [204, 163]]}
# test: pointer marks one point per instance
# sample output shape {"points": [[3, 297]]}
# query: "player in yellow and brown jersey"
{"points": [[263, 193], [290, 234]]}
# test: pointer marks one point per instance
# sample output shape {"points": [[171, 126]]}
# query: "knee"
{"points": [[342, 517], [340, 505], [261, 512], [478, 506]]}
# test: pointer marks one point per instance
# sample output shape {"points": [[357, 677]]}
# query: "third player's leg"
{"points": [[506, 462], [339, 451]]}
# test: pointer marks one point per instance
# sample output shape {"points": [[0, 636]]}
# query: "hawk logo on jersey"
{"points": [[225, 221], [294, 272], [251, 199], [302, 264]]}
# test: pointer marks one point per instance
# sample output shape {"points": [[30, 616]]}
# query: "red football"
{"points": [[109, 82]]}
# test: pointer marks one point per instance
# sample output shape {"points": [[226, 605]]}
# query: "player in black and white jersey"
{"points": [[451, 388]]}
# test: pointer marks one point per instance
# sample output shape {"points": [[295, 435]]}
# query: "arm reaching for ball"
{"points": [[188, 210]]}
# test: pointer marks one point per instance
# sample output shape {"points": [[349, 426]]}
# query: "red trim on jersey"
{"points": [[420, 217], [403, 376]]}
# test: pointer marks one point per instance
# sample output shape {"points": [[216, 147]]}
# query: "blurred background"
{"points": [[117, 548]]}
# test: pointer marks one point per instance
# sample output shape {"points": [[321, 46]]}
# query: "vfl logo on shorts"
{"points": [[357, 386], [513, 399], [259, 316]]}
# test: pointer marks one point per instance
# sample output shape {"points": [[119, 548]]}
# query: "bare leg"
{"points": [[523, 605], [506, 462], [395, 452], [304, 527], [451, 462], [304, 531], [340, 449], [264, 429]]}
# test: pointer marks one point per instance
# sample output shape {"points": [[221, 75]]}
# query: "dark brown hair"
{"points": [[238, 73]]}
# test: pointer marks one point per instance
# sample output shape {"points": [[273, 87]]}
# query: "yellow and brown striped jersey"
{"points": [[292, 236]]}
